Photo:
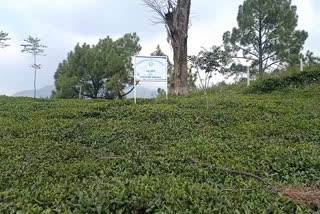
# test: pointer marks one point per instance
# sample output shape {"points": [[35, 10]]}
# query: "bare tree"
{"points": [[34, 48], [175, 15], [3, 39]]}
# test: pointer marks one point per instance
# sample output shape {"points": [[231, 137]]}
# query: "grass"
{"points": [[87, 156]]}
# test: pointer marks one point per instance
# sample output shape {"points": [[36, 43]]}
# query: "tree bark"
{"points": [[176, 20], [35, 77], [180, 53], [178, 25], [261, 70]]}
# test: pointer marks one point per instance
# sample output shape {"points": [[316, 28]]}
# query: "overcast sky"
{"points": [[61, 24]]}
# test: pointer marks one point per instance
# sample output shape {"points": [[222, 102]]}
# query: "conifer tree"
{"points": [[32, 46]]}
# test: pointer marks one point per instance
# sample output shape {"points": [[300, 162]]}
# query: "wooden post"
{"points": [[248, 76], [80, 92], [135, 81]]}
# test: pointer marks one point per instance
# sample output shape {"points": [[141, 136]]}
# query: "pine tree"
{"points": [[266, 35], [34, 48]]}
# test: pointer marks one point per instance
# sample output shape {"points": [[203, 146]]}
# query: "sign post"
{"points": [[135, 80], [150, 69]]}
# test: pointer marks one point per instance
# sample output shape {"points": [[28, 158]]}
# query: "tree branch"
{"points": [[230, 171], [243, 49], [270, 56], [123, 95], [275, 62]]}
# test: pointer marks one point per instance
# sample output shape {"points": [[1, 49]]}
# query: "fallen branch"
{"points": [[94, 153], [243, 190], [112, 158], [309, 196], [230, 171]]}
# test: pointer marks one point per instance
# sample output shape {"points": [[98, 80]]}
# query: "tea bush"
{"points": [[87, 156], [288, 79]]}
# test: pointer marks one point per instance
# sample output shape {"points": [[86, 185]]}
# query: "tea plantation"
{"points": [[176, 156]]}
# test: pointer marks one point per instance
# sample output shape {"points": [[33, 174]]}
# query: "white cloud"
{"points": [[307, 14], [25, 5]]}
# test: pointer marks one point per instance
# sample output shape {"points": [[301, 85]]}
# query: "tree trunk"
{"points": [[96, 89], [35, 77], [35, 84], [180, 58], [178, 25], [261, 71]]}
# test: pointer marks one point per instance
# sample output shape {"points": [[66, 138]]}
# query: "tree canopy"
{"points": [[98, 71], [3, 39], [210, 61], [311, 59], [266, 35]]}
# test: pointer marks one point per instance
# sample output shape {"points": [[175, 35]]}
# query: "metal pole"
{"points": [[301, 64], [248, 76], [135, 81]]}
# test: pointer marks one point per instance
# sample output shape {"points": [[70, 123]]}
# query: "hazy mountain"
{"points": [[44, 92], [143, 92]]}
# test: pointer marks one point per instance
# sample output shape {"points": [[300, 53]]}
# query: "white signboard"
{"points": [[150, 69]]}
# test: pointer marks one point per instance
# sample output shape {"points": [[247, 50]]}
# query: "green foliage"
{"points": [[265, 36], [103, 70], [96, 156], [210, 62], [310, 59], [32, 46], [161, 93], [192, 79], [285, 80]]}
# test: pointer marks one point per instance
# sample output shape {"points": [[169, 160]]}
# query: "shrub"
{"points": [[288, 79], [90, 156]]}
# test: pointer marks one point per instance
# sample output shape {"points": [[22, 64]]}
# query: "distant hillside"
{"points": [[41, 93], [142, 92]]}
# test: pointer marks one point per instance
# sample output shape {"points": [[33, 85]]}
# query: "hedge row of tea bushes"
{"points": [[286, 80], [71, 156]]}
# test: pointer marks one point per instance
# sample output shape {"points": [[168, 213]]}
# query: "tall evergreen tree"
{"points": [[33, 47], [266, 35]]}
